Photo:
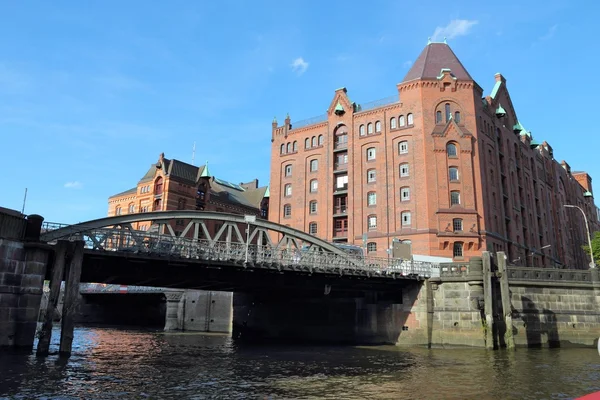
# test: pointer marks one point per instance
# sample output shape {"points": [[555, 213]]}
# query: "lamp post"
{"points": [[541, 252], [587, 228]]}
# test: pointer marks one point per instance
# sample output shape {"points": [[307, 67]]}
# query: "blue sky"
{"points": [[92, 92]]}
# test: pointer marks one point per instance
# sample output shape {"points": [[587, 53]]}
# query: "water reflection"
{"points": [[112, 363]]}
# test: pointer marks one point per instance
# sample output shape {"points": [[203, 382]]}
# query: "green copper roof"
{"points": [[533, 144], [339, 107], [500, 112], [205, 173], [275, 119], [267, 192], [518, 127], [588, 194], [495, 89]]}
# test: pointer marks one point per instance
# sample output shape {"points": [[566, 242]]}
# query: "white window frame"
{"points": [[404, 174], [393, 123], [377, 126], [410, 119], [314, 165], [371, 198], [372, 222], [313, 207], [450, 170], [371, 175], [371, 153], [314, 186], [403, 147], [401, 121], [405, 194], [287, 190], [406, 218]]}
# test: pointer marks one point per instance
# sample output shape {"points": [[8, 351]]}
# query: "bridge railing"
{"points": [[249, 255]]}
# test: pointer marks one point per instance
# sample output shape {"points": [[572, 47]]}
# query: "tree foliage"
{"points": [[595, 247]]}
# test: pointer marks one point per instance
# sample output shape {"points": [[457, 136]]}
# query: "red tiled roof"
{"points": [[432, 60]]}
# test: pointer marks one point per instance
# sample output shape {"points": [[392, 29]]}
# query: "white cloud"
{"points": [[74, 185], [299, 66], [456, 27]]}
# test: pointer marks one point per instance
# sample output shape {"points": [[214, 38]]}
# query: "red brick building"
{"points": [[442, 166], [176, 185]]}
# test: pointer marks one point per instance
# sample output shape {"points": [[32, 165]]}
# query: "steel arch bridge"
{"points": [[240, 240]]}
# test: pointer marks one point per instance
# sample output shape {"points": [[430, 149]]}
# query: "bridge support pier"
{"points": [[175, 313]]}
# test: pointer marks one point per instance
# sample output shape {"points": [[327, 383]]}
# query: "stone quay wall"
{"points": [[22, 269], [537, 307]]}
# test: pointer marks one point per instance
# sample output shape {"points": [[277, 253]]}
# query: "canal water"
{"points": [[116, 363]]}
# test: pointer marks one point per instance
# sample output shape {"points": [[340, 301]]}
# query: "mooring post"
{"points": [[487, 300], [45, 335], [506, 303], [71, 299]]}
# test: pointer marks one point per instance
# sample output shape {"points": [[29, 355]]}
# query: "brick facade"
{"points": [[442, 166], [175, 185]]}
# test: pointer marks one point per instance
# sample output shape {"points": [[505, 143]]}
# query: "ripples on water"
{"points": [[113, 363]]}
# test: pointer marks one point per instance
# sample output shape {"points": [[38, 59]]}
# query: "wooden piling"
{"points": [[506, 303], [45, 335], [487, 300], [71, 299]]}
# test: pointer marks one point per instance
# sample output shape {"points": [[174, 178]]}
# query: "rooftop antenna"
{"points": [[24, 200], [194, 154]]}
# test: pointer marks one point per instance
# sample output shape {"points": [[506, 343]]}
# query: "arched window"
{"points": [[457, 225], [372, 222], [289, 147], [118, 210], [403, 147], [378, 126], [454, 198], [312, 228], [448, 112], [438, 117], [371, 175], [314, 185], [314, 165], [158, 185], [361, 130], [457, 117], [312, 207], [453, 174], [320, 140], [401, 121], [369, 128], [410, 119], [314, 141], [405, 218], [393, 123], [457, 251], [307, 143], [282, 150], [131, 208], [370, 153], [287, 210], [288, 170], [371, 247], [287, 192], [295, 146], [451, 150], [371, 198], [404, 170], [405, 194]]}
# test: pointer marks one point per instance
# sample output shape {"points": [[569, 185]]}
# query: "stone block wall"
{"points": [[22, 271], [555, 315], [208, 311]]}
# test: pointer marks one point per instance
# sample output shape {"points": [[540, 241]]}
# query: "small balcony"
{"points": [[340, 233], [340, 167], [340, 211], [337, 146], [341, 189]]}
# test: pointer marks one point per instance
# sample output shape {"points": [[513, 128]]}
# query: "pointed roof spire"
{"points": [[500, 111], [267, 192], [205, 173], [434, 58]]}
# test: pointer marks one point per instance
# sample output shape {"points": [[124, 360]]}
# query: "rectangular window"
{"points": [[458, 249], [288, 190], [403, 147], [405, 217], [314, 185], [405, 194], [454, 198], [372, 222], [457, 225], [404, 172], [313, 207], [287, 210], [371, 198], [453, 173], [341, 182], [370, 153], [371, 176], [312, 228], [288, 170], [314, 165]]}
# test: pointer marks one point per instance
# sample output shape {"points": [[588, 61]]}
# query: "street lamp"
{"points": [[248, 219], [587, 228], [540, 250]]}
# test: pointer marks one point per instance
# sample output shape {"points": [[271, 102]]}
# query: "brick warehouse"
{"points": [[176, 185], [440, 166]]}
